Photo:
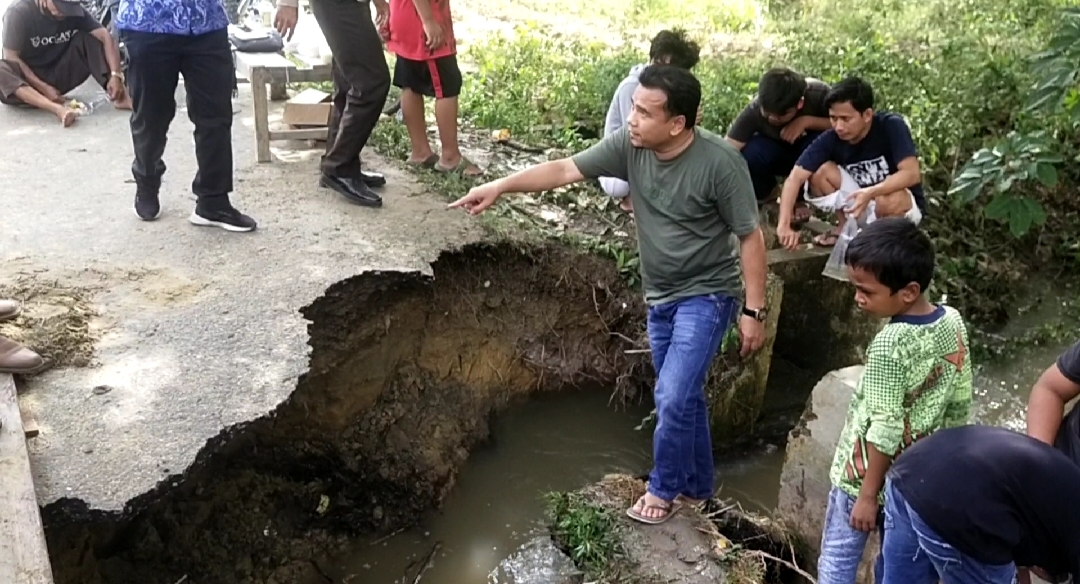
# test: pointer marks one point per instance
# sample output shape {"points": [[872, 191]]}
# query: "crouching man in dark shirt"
{"points": [[968, 505]]}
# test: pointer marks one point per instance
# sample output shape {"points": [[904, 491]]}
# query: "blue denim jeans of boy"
{"points": [[684, 336], [842, 545], [914, 554]]}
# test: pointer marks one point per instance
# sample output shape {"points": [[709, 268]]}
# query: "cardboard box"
{"points": [[308, 109]]}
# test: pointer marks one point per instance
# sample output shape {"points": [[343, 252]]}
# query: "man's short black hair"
{"points": [[676, 48], [780, 89], [682, 89], [895, 251], [851, 90]]}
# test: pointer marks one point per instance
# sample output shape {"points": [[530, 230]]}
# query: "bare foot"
{"points": [[67, 116], [626, 205]]}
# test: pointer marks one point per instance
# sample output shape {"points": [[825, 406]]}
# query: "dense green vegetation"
{"points": [[989, 87]]}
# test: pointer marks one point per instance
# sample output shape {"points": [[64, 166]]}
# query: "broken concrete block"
{"points": [[804, 480]]}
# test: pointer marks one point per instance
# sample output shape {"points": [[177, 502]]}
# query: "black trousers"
{"points": [[361, 81], [205, 61]]}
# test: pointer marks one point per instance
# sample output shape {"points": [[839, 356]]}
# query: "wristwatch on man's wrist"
{"points": [[757, 314]]}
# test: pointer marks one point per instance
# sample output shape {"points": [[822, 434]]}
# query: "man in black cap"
{"points": [[361, 83], [50, 48]]}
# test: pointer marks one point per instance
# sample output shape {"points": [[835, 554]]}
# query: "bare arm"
{"points": [[816, 124], [542, 177], [907, 175], [789, 194], [738, 145], [754, 268], [878, 465], [112, 52], [1046, 405], [28, 73]]}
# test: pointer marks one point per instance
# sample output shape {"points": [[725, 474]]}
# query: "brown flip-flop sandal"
{"points": [[668, 508], [826, 239], [428, 162], [796, 221], [462, 168]]}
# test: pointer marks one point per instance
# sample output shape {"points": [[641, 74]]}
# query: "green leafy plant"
{"points": [[1058, 68], [1002, 170], [588, 531]]}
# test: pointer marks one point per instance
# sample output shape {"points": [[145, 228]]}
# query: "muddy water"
{"points": [[553, 442], [562, 441]]}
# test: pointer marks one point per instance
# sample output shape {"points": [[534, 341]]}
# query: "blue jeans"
{"points": [[842, 545], [768, 158], [914, 554], [684, 336]]}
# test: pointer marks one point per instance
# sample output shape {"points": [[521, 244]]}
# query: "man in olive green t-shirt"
{"points": [[692, 192]]}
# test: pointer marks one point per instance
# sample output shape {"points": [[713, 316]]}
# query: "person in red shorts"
{"points": [[421, 34]]}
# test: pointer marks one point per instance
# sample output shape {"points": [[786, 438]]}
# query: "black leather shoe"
{"points": [[353, 190], [373, 179]]}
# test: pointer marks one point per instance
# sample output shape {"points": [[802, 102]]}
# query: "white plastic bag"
{"points": [[835, 267]]}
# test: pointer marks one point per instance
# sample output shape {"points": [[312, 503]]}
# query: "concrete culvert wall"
{"points": [[405, 372]]}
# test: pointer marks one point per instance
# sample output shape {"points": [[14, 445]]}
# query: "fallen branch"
{"points": [[768, 556], [430, 559], [386, 537]]}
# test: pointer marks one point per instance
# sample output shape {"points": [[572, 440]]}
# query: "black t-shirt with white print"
{"points": [[39, 37]]}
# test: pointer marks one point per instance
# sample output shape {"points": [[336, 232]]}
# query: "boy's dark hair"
{"points": [[675, 46], [895, 251], [852, 90], [682, 89], [780, 89]]}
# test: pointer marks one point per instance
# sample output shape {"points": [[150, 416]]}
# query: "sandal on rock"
{"points": [[689, 502], [826, 239], [428, 162], [802, 215], [463, 168], [668, 508]]}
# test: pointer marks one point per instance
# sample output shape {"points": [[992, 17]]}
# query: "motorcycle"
{"points": [[104, 11]]}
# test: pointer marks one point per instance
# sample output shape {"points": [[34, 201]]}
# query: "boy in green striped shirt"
{"points": [[917, 380]]}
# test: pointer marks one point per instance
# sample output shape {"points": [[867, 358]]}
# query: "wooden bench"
{"points": [[274, 70], [24, 557]]}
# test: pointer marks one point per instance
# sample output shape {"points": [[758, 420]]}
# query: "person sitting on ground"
{"points": [[867, 163], [50, 48], [968, 505], [693, 194], [15, 358], [421, 34], [917, 380], [787, 114], [671, 47]]}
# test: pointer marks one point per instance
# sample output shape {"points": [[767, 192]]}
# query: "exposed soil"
{"points": [[405, 373], [55, 320]]}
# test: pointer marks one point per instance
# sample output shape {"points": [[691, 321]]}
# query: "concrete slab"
{"points": [[197, 329], [24, 557]]}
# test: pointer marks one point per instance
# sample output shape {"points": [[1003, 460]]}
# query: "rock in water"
{"points": [[536, 562]]}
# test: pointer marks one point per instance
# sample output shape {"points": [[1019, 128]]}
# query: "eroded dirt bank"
{"points": [[405, 373]]}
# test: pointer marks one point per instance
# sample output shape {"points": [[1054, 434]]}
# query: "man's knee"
{"points": [[826, 180], [897, 204]]}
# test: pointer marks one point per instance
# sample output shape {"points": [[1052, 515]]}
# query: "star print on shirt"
{"points": [[957, 358]]}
